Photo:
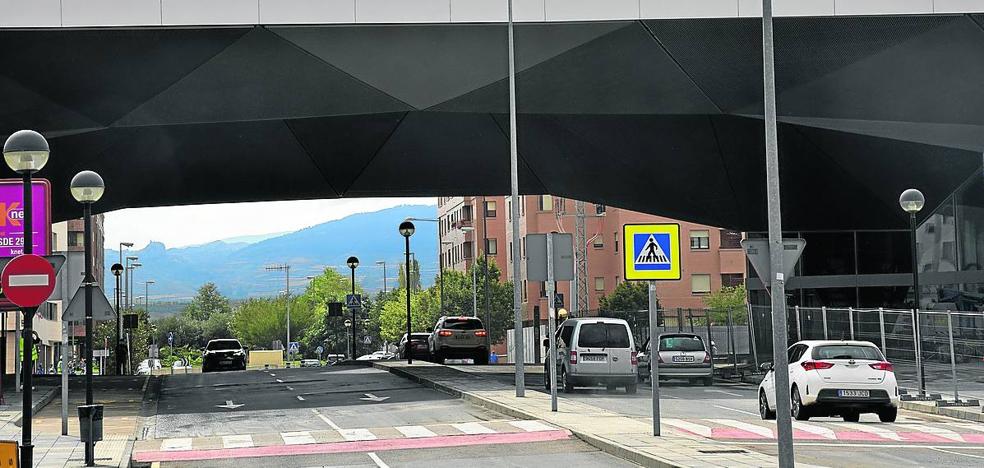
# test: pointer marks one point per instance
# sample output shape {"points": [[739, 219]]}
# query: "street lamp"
{"points": [[383, 263], [87, 187], [474, 277], [353, 263], [131, 272], [147, 295], [117, 270], [127, 292], [26, 152], [406, 230], [912, 201], [286, 269]]}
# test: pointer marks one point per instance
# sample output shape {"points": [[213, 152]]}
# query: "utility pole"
{"points": [[580, 302]]}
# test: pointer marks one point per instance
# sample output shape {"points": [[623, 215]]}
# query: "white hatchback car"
{"points": [[834, 378]]}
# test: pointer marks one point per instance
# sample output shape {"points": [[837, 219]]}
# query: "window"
{"points": [[462, 324], [546, 203], [700, 284], [75, 238], [490, 208], [615, 240], [603, 335], [681, 343], [468, 249], [543, 289], [600, 209], [599, 241], [730, 239], [565, 333], [466, 213], [491, 246], [599, 283], [522, 248], [525, 288], [700, 240], [732, 279], [869, 353]]}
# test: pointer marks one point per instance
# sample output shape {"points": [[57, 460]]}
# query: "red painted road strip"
{"points": [[357, 446]]}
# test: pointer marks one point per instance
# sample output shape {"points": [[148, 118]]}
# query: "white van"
{"points": [[595, 351]]}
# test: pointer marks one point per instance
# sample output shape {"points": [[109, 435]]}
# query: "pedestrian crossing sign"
{"points": [[652, 251]]}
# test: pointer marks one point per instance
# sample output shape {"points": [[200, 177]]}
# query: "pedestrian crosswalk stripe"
{"points": [[237, 441], [415, 431], [297, 438], [472, 428], [357, 434], [937, 431], [878, 431], [758, 430], [531, 426], [971, 426], [183, 443], [824, 432], [698, 429]]}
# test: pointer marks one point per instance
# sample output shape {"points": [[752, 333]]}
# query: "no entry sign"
{"points": [[28, 280]]}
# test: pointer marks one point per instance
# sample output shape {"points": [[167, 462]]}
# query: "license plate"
{"points": [[225, 362], [683, 359], [593, 358], [854, 393], [460, 337]]}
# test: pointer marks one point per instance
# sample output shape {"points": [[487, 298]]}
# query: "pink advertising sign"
{"points": [[12, 217]]}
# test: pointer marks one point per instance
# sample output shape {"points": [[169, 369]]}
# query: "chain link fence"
{"points": [[952, 342]]}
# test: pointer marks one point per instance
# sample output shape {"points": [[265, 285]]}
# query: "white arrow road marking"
{"points": [[871, 429], [371, 397], [472, 428], [688, 426], [936, 431], [237, 441], [230, 405], [531, 426], [759, 430], [415, 431], [183, 443], [297, 438], [28, 280], [357, 434], [300, 398]]}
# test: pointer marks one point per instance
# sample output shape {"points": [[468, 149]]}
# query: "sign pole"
{"points": [[65, 348], [784, 425], [551, 325], [519, 350], [27, 449], [654, 355]]}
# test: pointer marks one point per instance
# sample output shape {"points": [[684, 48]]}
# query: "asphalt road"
{"points": [[206, 407]]}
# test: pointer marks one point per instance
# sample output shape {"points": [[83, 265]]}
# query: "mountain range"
{"points": [[238, 266]]}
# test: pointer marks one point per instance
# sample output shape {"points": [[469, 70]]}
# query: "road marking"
{"points": [[936, 431], [971, 426], [237, 441], [183, 443], [758, 430], [824, 432], [688, 426], [378, 461], [955, 453], [357, 434], [415, 431], [280, 381], [289, 388], [722, 391], [371, 397], [871, 429], [297, 438], [300, 398], [472, 428], [736, 410], [531, 426], [326, 420], [230, 405]]}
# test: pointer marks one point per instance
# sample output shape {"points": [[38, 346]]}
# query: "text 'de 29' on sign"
{"points": [[12, 217], [652, 251]]}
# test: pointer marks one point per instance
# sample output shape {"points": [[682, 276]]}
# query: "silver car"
{"points": [[595, 351], [683, 356], [458, 338]]}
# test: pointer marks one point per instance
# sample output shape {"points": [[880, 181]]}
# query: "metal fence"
{"points": [[952, 342]]}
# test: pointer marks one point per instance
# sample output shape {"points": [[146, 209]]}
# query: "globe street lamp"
{"points": [[353, 263], [26, 152], [912, 201], [87, 188], [406, 230]]}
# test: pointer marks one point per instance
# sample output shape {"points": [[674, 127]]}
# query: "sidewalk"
{"points": [[610, 432]]}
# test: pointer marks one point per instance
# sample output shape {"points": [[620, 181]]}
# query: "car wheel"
{"points": [[764, 410], [851, 416], [888, 414], [708, 381], [565, 384], [631, 389], [800, 412]]}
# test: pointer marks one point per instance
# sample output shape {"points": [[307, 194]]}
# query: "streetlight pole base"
{"points": [[27, 455]]}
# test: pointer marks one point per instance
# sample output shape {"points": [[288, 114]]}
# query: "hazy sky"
{"points": [[178, 226]]}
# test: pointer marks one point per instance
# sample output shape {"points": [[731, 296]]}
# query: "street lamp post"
{"points": [[26, 152], [87, 188], [383, 263], [127, 283], [474, 276], [406, 230], [286, 269], [912, 201], [353, 263], [147, 295], [117, 270]]}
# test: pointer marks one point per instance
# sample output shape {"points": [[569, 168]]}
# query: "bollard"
{"points": [[823, 312], [850, 321], [881, 325], [953, 356]]}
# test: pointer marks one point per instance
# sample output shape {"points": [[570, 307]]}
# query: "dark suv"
{"points": [[458, 338], [223, 354]]}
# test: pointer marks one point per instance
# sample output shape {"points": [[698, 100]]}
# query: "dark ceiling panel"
{"points": [[23, 108], [105, 73]]}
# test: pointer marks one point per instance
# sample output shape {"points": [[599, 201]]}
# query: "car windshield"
{"points": [[847, 352], [462, 324], [222, 345], [603, 335], [681, 343]]}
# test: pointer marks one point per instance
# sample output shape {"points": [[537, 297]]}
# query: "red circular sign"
{"points": [[28, 280]]}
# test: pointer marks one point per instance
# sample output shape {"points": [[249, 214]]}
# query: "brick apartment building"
{"points": [[712, 257]]}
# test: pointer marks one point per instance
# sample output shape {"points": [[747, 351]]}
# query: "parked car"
{"points": [[595, 352], [376, 356], [834, 378], [223, 354], [418, 346], [310, 363], [458, 338], [681, 356]]}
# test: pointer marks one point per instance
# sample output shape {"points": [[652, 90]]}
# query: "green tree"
{"points": [[728, 298], [206, 318], [206, 302], [140, 338], [414, 275], [627, 297]]}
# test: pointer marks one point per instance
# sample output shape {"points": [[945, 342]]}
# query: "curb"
{"points": [[38, 404], [953, 412], [599, 443]]}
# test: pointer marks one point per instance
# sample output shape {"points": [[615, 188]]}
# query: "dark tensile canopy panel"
{"points": [[657, 116]]}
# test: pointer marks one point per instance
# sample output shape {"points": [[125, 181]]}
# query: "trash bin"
{"points": [[91, 423]]}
